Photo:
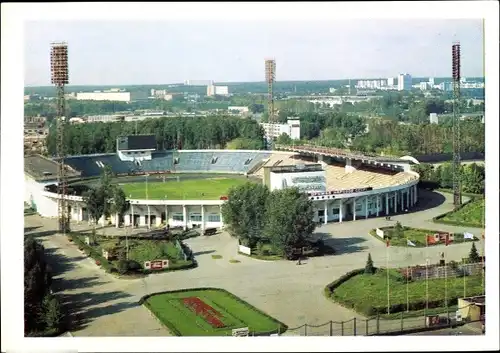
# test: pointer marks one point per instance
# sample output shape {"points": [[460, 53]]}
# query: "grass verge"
{"points": [[417, 236], [367, 294]]}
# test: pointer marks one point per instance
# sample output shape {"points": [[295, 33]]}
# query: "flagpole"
{"points": [[387, 270], [426, 274], [445, 273], [483, 272], [463, 268], [407, 276]]}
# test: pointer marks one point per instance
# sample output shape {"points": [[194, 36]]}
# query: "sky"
{"points": [[162, 52]]}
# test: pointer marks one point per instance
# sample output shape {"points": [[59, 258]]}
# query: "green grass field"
{"points": [[372, 289], [190, 189], [182, 321], [471, 214]]}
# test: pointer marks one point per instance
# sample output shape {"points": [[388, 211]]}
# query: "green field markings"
{"points": [[198, 189]]}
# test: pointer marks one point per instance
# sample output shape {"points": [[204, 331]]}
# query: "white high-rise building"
{"points": [[404, 82], [291, 128], [222, 90], [390, 81], [431, 81]]}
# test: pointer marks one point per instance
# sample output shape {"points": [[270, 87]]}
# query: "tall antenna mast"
{"points": [[270, 79], [59, 78], [457, 193]]}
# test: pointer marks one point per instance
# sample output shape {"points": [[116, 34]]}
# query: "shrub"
{"points": [[369, 268], [122, 267], [474, 255]]}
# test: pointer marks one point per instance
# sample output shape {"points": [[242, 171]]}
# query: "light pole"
{"points": [[147, 198]]}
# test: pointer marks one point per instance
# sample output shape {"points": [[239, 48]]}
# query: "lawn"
{"points": [[416, 235], [364, 290], [471, 214], [222, 312], [190, 189]]}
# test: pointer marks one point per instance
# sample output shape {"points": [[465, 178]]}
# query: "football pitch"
{"points": [[209, 312], [188, 189]]}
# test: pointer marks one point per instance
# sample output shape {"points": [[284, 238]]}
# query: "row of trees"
{"points": [[170, 132], [42, 311], [472, 176], [391, 137], [283, 218]]}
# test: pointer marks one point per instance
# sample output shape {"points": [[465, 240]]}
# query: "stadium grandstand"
{"points": [[343, 186]]}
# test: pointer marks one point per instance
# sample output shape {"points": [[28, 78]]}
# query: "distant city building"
{"points": [[391, 82], [210, 90], [71, 95], [446, 86], [291, 128], [110, 118], [433, 118], [424, 86], [161, 94], [431, 81], [27, 97], [238, 110], [110, 95], [213, 90], [198, 82], [332, 90], [371, 84], [404, 82]]}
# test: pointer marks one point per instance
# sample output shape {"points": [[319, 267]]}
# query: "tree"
{"points": [[119, 202], [245, 144], [289, 219], [369, 268], [53, 314], [473, 254], [398, 230], [284, 139], [244, 212], [95, 200]]}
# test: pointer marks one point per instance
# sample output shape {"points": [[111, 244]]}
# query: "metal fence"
{"points": [[375, 325]]}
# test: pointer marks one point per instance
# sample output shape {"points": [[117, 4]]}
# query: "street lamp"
{"points": [[147, 198]]}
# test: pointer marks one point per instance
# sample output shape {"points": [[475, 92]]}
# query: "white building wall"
{"points": [[104, 96], [46, 207]]}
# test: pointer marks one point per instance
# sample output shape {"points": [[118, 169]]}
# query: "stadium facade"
{"points": [[342, 186]]}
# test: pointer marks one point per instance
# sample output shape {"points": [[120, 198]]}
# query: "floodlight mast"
{"points": [[59, 78]]}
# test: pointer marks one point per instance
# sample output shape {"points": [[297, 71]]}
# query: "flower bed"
{"points": [[204, 310]]}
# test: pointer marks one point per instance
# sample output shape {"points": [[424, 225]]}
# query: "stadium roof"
{"points": [[309, 149], [43, 168], [136, 142]]}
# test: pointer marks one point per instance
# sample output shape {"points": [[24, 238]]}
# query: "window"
{"points": [[335, 211], [195, 217], [178, 217], [214, 218], [359, 207], [321, 213]]}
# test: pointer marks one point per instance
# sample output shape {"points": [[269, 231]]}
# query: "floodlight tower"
{"points": [[270, 78], [457, 193], [59, 78]]}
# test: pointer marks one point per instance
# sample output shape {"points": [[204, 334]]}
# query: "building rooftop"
{"points": [[43, 168]]}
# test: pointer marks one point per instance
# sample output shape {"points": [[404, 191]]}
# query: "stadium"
{"points": [[186, 188]]}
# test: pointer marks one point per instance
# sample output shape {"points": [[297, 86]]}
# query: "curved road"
{"points": [[292, 294]]}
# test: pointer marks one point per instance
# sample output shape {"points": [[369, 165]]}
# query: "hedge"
{"points": [[329, 289], [143, 301], [89, 251]]}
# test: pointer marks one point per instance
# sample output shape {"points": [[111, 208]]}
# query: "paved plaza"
{"points": [[107, 306]]}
